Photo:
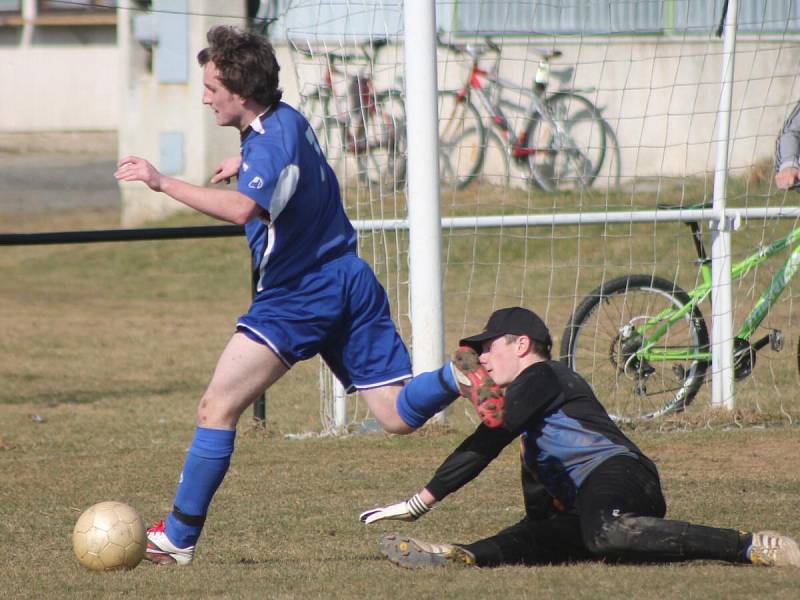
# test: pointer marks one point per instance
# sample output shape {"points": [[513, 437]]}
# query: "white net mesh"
{"points": [[558, 112]]}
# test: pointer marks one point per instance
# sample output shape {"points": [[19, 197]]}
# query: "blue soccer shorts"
{"points": [[340, 312]]}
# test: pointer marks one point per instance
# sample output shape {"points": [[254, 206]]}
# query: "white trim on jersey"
{"points": [[382, 383], [256, 125], [285, 188]]}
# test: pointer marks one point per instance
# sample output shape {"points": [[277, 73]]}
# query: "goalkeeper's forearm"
{"points": [[427, 497]]}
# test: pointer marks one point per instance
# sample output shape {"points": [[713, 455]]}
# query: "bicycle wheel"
{"points": [[462, 140], [570, 145], [602, 337], [380, 143]]}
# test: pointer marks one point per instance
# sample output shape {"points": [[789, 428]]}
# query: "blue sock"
{"points": [[206, 464], [427, 394]]}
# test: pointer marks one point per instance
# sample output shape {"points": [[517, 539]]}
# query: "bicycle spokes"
{"points": [[638, 369]]}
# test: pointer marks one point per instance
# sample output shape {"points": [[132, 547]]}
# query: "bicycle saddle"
{"points": [[547, 54]]}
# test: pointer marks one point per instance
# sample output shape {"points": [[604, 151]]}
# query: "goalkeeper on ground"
{"points": [[589, 491]]}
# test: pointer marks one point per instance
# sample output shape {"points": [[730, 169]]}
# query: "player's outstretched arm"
{"points": [[226, 205], [407, 510]]}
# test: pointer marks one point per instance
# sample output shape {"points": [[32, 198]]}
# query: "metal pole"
{"points": [[425, 235], [339, 406], [722, 304]]}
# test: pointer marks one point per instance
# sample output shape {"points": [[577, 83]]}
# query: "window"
{"points": [[10, 6], [60, 6], [75, 12], [614, 17]]}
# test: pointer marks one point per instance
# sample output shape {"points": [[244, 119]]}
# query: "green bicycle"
{"points": [[643, 343]]}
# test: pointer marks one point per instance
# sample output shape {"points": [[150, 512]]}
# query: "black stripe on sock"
{"points": [[193, 520]]}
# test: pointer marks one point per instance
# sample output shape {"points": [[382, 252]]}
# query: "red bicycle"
{"points": [[352, 118], [563, 139]]}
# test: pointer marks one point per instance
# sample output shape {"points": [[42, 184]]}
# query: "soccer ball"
{"points": [[109, 536]]}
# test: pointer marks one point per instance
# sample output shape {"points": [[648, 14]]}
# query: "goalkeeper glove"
{"points": [[408, 510]]}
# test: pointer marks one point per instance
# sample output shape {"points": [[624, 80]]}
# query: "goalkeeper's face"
{"points": [[502, 358]]}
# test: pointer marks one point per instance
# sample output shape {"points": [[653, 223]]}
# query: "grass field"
{"points": [[106, 348]]}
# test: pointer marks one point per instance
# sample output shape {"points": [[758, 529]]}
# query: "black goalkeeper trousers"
{"points": [[620, 518]]}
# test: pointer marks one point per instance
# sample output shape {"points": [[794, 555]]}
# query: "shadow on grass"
{"points": [[53, 398]]}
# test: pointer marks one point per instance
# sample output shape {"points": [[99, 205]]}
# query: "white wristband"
{"points": [[416, 507]]}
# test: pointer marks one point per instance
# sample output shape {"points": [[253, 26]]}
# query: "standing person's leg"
{"points": [[404, 409], [622, 510], [366, 353], [244, 371]]}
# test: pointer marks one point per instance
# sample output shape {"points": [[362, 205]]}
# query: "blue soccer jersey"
{"points": [[314, 294], [284, 171]]}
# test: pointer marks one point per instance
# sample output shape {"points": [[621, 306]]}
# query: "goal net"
{"points": [[564, 127]]}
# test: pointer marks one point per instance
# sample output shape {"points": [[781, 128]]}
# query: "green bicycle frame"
{"points": [[654, 328]]}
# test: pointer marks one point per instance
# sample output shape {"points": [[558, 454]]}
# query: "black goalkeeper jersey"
{"points": [[566, 434]]}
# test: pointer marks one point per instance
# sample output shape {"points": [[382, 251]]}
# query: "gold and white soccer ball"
{"points": [[109, 536]]}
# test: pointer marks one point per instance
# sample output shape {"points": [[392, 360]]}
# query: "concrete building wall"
{"points": [[152, 108], [659, 94], [58, 70], [66, 88]]}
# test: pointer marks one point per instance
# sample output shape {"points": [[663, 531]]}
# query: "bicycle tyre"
{"points": [[570, 154], [462, 140], [594, 345], [381, 147]]}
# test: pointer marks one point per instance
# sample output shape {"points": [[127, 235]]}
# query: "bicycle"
{"points": [[352, 118], [563, 140], [643, 342]]}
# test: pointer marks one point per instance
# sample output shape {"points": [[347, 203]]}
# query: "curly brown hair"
{"points": [[246, 63]]}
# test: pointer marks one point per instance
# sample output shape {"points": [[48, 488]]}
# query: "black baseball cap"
{"points": [[514, 321]]}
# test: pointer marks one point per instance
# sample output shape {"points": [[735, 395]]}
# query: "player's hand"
{"points": [[226, 169], [787, 178], [133, 168], [408, 510]]}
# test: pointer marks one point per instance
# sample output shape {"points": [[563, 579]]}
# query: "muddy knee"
{"points": [[616, 535]]}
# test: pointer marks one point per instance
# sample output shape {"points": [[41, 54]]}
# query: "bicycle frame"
{"points": [[352, 112], [516, 142], [358, 104], [655, 327]]}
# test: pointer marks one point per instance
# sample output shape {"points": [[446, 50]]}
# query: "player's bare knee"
{"points": [[214, 413], [397, 427]]}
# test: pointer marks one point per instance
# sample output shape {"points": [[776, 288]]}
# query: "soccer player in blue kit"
{"points": [[314, 294]]}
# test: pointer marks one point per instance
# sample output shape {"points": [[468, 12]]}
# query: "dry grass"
{"points": [[106, 349], [284, 524]]}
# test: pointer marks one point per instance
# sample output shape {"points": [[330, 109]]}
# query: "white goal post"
{"points": [[689, 118]]}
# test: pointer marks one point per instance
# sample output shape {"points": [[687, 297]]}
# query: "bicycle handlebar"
{"points": [[368, 50], [474, 50]]}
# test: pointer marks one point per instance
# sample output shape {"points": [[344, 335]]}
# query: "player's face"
{"points": [[228, 107], [501, 358]]}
